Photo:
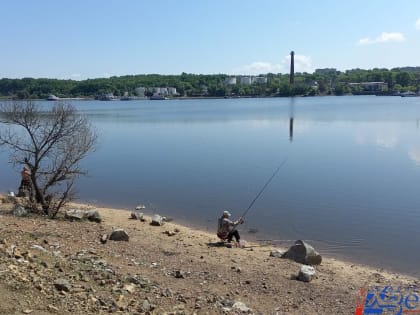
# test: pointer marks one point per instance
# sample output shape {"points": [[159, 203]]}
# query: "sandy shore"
{"points": [[169, 269]]}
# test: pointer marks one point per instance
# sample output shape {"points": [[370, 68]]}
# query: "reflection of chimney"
{"points": [[292, 67], [291, 129]]}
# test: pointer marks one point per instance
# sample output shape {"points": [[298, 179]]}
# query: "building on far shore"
{"points": [[246, 80], [370, 86], [230, 81], [140, 91], [259, 80]]}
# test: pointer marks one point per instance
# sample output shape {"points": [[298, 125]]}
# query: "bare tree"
{"points": [[51, 142]]}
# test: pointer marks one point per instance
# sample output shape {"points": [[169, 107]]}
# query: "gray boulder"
{"points": [[303, 253], [306, 273], [277, 253], [136, 215], [75, 215], [240, 306], [119, 235], [20, 211], [93, 215], [157, 220]]}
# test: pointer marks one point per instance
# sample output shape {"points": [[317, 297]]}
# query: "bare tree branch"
{"points": [[51, 142]]}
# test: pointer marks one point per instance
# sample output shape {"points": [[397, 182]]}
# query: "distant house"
{"points": [[230, 81]]}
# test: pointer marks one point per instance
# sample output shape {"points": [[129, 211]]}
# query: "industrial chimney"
{"points": [[292, 67]]}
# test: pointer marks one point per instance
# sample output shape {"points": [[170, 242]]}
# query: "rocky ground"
{"points": [[61, 266]]}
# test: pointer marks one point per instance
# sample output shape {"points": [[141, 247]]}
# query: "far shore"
{"points": [[117, 98], [198, 275]]}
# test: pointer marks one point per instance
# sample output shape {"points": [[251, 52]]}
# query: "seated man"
{"points": [[227, 228]]}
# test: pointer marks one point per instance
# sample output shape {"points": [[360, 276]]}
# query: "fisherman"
{"points": [[227, 228], [25, 189]]}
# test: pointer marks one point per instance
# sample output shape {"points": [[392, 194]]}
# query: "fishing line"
{"points": [[264, 187]]}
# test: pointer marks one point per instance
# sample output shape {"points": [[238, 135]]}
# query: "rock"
{"points": [[241, 307], [104, 238], [135, 215], [131, 288], [277, 253], [303, 253], [169, 233], [119, 235], [166, 292], [227, 302], [146, 307], [75, 215], [178, 274], [93, 215], [39, 247], [306, 273], [62, 285], [16, 253], [52, 308], [157, 220], [19, 211]]}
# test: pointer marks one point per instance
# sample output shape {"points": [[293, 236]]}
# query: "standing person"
{"points": [[227, 228], [25, 188]]}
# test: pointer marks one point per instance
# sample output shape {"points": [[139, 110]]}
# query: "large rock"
{"points": [[62, 285], [119, 235], [136, 215], [306, 273], [277, 253], [75, 215], [239, 306], [20, 211], [157, 220], [93, 215], [303, 253]]}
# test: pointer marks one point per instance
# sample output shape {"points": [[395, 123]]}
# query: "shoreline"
{"points": [[251, 238], [187, 273], [91, 98]]}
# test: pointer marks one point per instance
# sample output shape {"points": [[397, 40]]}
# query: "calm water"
{"points": [[350, 184]]}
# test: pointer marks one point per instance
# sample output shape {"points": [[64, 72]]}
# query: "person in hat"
{"points": [[227, 228]]}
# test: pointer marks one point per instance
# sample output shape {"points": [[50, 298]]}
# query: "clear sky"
{"points": [[80, 39]]}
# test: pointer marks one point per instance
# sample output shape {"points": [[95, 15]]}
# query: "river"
{"points": [[350, 183]]}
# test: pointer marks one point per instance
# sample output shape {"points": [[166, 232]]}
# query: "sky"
{"points": [[81, 39]]}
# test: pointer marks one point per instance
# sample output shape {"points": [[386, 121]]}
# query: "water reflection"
{"points": [[291, 117]]}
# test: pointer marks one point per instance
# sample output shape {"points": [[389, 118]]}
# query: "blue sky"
{"points": [[81, 39]]}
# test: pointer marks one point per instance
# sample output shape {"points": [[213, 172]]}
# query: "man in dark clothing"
{"points": [[227, 228]]}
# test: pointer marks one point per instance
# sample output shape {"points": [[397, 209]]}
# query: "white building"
{"points": [[246, 80], [259, 80], [161, 90], [230, 81], [172, 91], [140, 91]]}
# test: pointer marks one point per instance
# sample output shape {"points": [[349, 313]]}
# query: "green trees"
{"points": [[322, 81]]}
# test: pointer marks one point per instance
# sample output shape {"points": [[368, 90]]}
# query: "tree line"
{"points": [[320, 82]]}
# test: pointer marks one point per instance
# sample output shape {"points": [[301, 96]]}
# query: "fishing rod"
{"points": [[264, 187]]}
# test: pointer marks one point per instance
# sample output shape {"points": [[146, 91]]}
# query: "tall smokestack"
{"points": [[292, 67]]}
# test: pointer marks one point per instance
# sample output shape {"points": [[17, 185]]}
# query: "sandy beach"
{"points": [[61, 266]]}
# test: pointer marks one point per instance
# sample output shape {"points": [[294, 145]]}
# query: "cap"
{"points": [[226, 213]]}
